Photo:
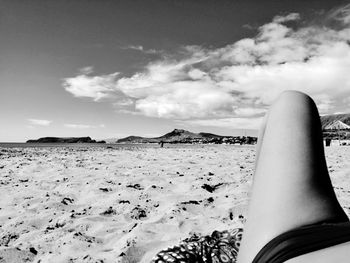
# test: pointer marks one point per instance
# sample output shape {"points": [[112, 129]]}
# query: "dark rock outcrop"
{"points": [[130, 139], [63, 140]]}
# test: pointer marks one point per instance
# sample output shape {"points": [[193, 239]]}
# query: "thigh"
{"points": [[291, 185]]}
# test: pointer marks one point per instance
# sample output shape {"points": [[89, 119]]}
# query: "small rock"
{"points": [[210, 199], [33, 250], [231, 215], [105, 189], [108, 212], [67, 200], [135, 186], [211, 188], [194, 202], [138, 213]]}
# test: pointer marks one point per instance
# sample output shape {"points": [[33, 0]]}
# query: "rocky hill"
{"points": [[328, 119], [335, 134], [178, 135], [183, 136], [175, 135]]}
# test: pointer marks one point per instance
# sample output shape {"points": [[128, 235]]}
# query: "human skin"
{"points": [[291, 185]]}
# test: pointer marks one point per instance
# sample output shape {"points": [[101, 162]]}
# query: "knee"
{"points": [[294, 102], [294, 97]]}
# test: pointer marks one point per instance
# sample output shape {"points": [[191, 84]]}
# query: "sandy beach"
{"points": [[123, 204]]}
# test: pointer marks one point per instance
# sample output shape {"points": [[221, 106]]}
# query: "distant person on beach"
{"points": [[294, 215]]}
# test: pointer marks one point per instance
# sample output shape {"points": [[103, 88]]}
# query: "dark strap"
{"points": [[303, 240]]}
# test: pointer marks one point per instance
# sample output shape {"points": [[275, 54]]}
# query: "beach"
{"points": [[125, 203]]}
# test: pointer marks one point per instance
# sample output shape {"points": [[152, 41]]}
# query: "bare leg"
{"points": [[291, 186], [260, 139]]}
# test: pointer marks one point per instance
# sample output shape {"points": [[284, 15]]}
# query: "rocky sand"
{"points": [[123, 204]]}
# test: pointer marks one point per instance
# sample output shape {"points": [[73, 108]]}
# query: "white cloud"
{"points": [[95, 87], [83, 126], [341, 14], [287, 18], [39, 122], [239, 80], [247, 112], [231, 123], [123, 102], [77, 126], [87, 70], [185, 99], [142, 49]]}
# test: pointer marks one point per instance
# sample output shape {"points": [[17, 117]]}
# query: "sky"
{"points": [[109, 69]]}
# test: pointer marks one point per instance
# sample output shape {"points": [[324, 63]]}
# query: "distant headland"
{"points": [[64, 140], [336, 126], [183, 136]]}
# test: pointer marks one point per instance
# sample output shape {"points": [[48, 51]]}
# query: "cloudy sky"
{"points": [[144, 67]]}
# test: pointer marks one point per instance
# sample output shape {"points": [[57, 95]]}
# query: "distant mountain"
{"points": [[179, 134], [329, 119], [183, 136], [334, 126], [65, 140], [131, 139], [175, 135]]}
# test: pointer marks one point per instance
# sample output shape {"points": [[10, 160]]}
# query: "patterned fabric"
{"points": [[220, 247]]}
